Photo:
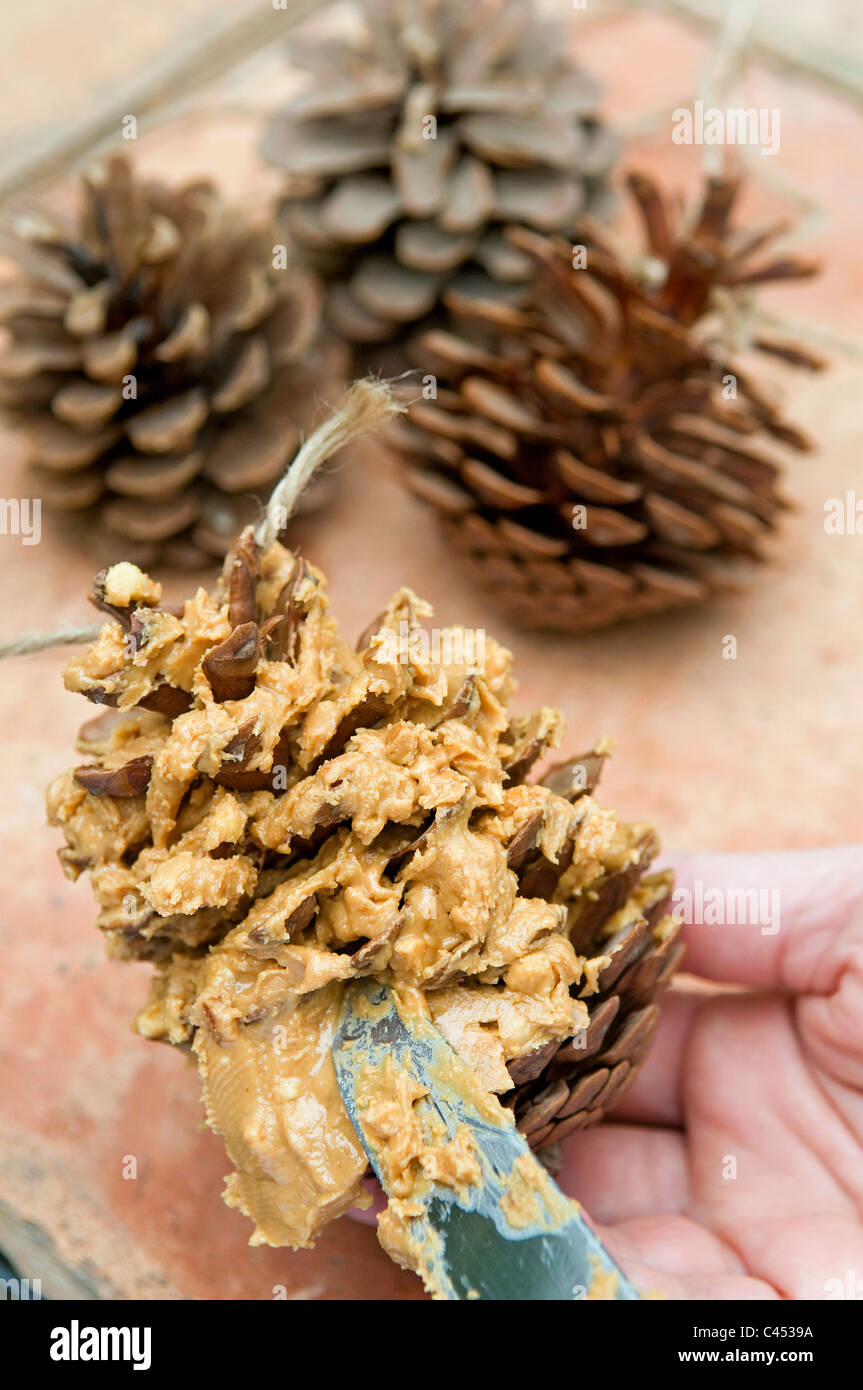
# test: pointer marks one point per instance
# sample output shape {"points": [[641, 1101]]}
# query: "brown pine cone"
{"points": [[267, 813], [420, 140], [162, 368], [599, 455]]}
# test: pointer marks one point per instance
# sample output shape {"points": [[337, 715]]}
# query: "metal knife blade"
{"points": [[477, 1244]]}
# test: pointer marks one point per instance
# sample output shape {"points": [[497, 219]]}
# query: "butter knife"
{"points": [[476, 1241]]}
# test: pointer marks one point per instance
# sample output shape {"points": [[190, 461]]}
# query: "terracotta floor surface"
{"points": [[761, 752]]}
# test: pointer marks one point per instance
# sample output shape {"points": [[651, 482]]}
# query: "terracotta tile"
{"points": [[763, 752], [63, 64]]}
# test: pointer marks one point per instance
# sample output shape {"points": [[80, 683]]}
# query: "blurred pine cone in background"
{"points": [[161, 363], [417, 143], [598, 455]]}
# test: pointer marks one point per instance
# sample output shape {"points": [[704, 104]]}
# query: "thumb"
{"points": [[791, 920]]}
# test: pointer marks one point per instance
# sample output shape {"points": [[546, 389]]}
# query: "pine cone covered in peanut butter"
{"points": [[267, 812]]}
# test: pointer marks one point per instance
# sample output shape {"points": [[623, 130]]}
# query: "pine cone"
{"points": [[267, 813], [598, 455], [417, 143], [160, 365]]}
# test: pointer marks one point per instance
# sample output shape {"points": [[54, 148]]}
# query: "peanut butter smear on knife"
{"points": [[471, 1210]]}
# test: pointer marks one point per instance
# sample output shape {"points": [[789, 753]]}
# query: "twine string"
{"points": [[369, 405], [30, 642]]}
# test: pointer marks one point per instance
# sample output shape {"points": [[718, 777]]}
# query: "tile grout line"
{"points": [[171, 75], [771, 45]]}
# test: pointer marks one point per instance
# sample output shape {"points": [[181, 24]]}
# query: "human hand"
{"points": [[733, 1167]]}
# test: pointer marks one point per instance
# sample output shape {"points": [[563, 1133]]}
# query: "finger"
{"points": [[369, 1215], [774, 921], [774, 1168], [677, 1245], [832, 1027], [655, 1097], [679, 1260], [621, 1171]]}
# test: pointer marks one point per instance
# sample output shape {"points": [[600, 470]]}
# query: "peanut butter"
{"points": [[267, 813]]}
